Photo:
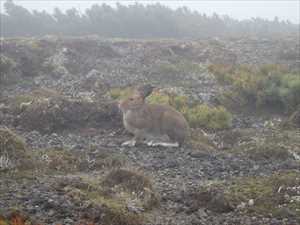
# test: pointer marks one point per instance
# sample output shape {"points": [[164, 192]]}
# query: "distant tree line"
{"points": [[134, 21]]}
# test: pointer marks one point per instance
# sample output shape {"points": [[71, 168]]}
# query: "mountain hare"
{"points": [[152, 122]]}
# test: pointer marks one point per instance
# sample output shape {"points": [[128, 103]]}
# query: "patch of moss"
{"points": [[129, 180], [132, 183], [181, 67], [208, 117], [269, 194], [59, 160], [268, 151], [220, 71], [113, 209], [13, 153], [120, 93], [269, 69], [17, 103], [109, 160], [28, 42], [159, 98], [200, 142], [179, 102], [236, 137], [270, 145]]}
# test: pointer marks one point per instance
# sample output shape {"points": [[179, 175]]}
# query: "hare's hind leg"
{"points": [[164, 144], [130, 143], [163, 141]]}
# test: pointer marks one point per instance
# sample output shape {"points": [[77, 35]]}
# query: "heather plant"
{"points": [[270, 87]]}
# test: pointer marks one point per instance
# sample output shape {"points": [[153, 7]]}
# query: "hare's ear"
{"points": [[145, 90]]}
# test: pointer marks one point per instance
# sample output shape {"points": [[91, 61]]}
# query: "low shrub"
{"points": [[120, 93], [208, 117], [159, 98], [269, 87], [197, 115]]}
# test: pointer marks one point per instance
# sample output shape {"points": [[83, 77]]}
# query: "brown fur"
{"points": [[152, 120]]}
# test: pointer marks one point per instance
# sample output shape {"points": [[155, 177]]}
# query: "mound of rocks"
{"points": [[49, 115]]}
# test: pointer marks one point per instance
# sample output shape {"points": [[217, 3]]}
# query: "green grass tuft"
{"points": [[269, 87]]}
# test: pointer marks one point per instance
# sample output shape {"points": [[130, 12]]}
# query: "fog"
{"points": [[284, 10]]}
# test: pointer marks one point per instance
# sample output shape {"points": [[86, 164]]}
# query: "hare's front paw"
{"points": [[150, 143], [130, 143]]}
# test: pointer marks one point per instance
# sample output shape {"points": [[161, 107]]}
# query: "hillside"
{"points": [[61, 160]]}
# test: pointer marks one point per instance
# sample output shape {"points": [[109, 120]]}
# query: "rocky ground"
{"points": [[61, 160]]}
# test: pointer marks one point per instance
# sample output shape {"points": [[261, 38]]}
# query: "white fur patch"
{"points": [[130, 143], [163, 144]]}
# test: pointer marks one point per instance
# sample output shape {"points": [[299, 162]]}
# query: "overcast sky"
{"points": [[239, 9]]}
